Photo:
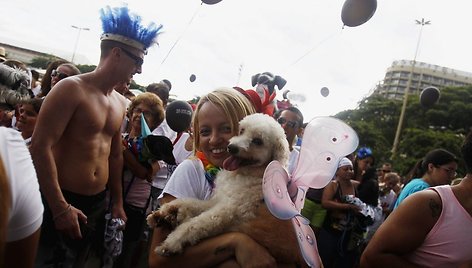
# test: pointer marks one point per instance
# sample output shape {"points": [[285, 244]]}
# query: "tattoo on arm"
{"points": [[435, 208]]}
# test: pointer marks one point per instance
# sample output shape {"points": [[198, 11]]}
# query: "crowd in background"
{"points": [[80, 195]]}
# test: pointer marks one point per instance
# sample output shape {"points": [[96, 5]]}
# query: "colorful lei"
{"points": [[210, 169]]}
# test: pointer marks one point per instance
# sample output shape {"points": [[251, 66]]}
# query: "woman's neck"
{"points": [[428, 180], [26, 134], [344, 182]]}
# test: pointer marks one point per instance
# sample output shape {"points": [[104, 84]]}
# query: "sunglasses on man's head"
{"points": [[137, 60], [59, 75], [289, 123]]}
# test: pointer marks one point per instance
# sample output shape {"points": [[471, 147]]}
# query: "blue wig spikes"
{"points": [[120, 25]]}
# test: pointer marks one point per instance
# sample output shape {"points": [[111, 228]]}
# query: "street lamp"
{"points": [[407, 90], [77, 40]]}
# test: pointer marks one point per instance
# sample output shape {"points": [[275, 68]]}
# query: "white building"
{"points": [[423, 75]]}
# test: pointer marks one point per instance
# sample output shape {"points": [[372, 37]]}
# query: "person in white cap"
{"points": [[77, 146], [333, 237]]}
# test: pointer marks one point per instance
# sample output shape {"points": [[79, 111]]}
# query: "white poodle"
{"points": [[237, 204]]}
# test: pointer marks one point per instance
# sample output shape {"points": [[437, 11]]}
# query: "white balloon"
{"points": [[296, 97]]}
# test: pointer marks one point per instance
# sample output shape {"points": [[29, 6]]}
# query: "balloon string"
{"points": [[183, 32], [313, 48]]}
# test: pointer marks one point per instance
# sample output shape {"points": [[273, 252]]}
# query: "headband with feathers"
{"points": [[120, 25], [13, 86]]}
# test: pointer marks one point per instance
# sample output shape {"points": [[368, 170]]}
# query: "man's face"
{"points": [[289, 122], [133, 59]]}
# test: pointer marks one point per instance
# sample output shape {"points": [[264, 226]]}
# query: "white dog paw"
{"points": [[166, 215], [151, 220]]}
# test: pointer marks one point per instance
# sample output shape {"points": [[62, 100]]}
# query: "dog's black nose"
{"points": [[233, 149]]}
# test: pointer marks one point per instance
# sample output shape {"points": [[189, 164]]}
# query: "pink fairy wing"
{"points": [[307, 241], [325, 141], [276, 196]]}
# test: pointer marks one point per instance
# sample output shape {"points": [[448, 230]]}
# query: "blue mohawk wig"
{"points": [[120, 25]]}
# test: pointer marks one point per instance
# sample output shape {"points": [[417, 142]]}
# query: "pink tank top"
{"points": [[448, 244]]}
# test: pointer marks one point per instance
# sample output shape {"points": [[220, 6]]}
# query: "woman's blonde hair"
{"points": [[234, 105]]}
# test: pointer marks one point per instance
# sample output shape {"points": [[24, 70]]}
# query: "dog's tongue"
{"points": [[231, 163]]}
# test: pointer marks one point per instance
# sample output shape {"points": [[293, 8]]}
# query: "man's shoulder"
{"points": [[122, 100]]}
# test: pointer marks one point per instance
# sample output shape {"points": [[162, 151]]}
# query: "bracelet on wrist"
{"points": [[69, 207]]}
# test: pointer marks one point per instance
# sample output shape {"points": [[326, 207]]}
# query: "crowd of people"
{"points": [[77, 177]]}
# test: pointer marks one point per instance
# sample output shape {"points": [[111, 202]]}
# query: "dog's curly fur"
{"points": [[237, 204]]}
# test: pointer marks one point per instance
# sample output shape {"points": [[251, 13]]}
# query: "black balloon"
{"points": [[179, 115], [211, 2], [429, 96], [324, 91], [357, 12], [192, 78]]}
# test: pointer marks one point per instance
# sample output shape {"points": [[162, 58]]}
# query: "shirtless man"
{"points": [[77, 150]]}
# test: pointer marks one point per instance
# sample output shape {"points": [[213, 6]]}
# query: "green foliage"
{"points": [[86, 68], [134, 85], [442, 126], [42, 62]]}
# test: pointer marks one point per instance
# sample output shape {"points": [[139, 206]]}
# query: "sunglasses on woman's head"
{"points": [[59, 75]]}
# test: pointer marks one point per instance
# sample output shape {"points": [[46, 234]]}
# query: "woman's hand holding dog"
{"points": [[249, 253]]}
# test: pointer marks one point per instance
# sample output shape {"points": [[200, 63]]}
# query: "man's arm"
{"points": [[115, 164], [403, 231], [50, 126]]}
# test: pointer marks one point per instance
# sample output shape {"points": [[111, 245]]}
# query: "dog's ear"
{"points": [[281, 151], [279, 82], [254, 79]]}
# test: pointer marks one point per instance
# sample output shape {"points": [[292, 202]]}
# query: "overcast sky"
{"points": [[226, 43]]}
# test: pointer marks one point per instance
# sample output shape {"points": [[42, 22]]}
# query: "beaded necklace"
{"points": [[210, 169]]}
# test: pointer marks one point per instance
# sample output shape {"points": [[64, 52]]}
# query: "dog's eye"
{"points": [[257, 141], [241, 132]]}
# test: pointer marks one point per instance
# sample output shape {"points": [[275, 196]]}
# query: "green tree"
{"points": [[442, 126], [86, 68], [42, 62]]}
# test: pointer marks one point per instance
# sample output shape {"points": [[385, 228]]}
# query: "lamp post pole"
{"points": [[77, 40], [407, 90]]}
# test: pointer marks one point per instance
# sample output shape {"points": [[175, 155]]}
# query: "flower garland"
{"points": [[210, 169]]}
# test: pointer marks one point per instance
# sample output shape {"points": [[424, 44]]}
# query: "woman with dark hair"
{"points": [[438, 167], [432, 228], [46, 81], [363, 160], [368, 191], [63, 71]]}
